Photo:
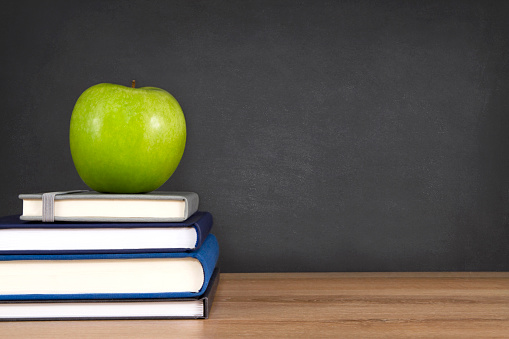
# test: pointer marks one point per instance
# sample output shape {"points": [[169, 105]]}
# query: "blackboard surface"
{"points": [[322, 135]]}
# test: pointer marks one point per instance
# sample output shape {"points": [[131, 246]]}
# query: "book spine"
{"points": [[208, 255], [203, 227], [192, 203]]}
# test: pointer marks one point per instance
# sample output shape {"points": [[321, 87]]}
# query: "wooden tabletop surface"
{"points": [[321, 305]]}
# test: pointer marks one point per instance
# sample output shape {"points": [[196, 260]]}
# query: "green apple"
{"points": [[126, 139]]}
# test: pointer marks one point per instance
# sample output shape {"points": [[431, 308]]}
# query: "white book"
{"points": [[176, 308], [90, 206]]}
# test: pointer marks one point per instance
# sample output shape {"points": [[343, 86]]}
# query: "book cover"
{"points": [[116, 309], [90, 206], [108, 276], [28, 237]]}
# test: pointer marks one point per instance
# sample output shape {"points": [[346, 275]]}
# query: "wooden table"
{"points": [[321, 305]]}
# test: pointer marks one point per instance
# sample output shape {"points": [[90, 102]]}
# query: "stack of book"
{"points": [[89, 255]]}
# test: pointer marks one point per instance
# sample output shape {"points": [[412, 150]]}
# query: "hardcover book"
{"points": [[20, 237], [108, 276], [178, 308], [90, 206]]}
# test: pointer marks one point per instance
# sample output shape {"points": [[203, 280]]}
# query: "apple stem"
{"points": [[133, 83]]}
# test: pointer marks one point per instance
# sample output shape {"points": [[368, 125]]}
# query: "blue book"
{"points": [[29, 237], [108, 276]]}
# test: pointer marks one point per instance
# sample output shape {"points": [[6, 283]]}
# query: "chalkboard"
{"points": [[322, 135]]}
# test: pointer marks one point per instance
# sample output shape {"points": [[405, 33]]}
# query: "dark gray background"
{"points": [[322, 135]]}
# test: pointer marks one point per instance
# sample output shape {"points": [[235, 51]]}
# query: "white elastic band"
{"points": [[48, 204]]}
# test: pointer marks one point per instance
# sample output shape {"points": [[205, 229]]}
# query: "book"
{"points": [[178, 308], [90, 206], [29, 237], [108, 276]]}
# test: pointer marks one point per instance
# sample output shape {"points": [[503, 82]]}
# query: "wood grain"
{"points": [[322, 305]]}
